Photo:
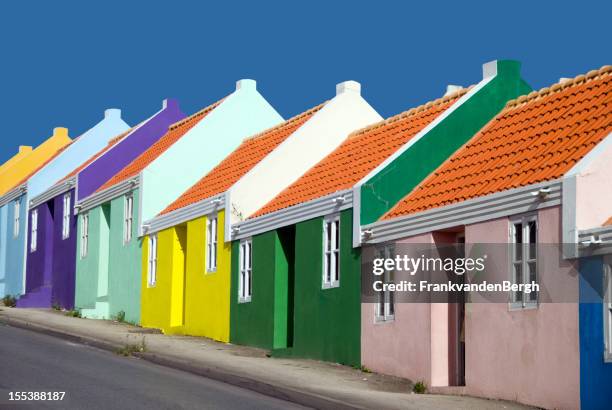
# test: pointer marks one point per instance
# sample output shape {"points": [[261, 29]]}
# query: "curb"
{"points": [[283, 393]]}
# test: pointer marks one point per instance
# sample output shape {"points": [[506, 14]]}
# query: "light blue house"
{"points": [[14, 204]]}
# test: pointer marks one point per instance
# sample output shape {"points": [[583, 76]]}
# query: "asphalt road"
{"points": [[96, 379]]}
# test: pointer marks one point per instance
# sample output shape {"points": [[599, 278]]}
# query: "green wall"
{"points": [[262, 322], [289, 311], [391, 184]]}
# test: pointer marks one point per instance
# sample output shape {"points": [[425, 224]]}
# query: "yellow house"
{"points": [[186, 258], [24, 163]]}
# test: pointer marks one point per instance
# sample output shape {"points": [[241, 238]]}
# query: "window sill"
{"points": [[516, 307], [211, 271], [608, 357], [244, 300], [151, 285], [381, 320], [331, 285]]}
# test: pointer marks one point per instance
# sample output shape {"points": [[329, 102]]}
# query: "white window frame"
{"points": [[84, 235], [128, 217], [384, 309], [524, 260], [211, 242], [34, 230], [245, 271], [16, 217], [152, 261], [66, 215], [331, 252], [607, 308]]}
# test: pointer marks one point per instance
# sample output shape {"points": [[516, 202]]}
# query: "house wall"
{"points": [[157, 303], [82, 148], [595, 181], [125, 151], [108, 279], [64, 255], [401, 347], [527, 369], [327, 322], [595, 372], [89, 267], [511, 355], [38, 263], [124, 270], [3, 239], [243, 113], [262, 321], [14, 249], [392, 181], [51, 268], [207, 295]]}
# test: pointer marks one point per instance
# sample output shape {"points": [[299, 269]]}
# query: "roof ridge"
{"points": [[286, 122], [412, 111], [561, 85], [195, 115]]}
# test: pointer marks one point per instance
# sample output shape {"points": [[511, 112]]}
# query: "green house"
{"points": [[296, 263]]}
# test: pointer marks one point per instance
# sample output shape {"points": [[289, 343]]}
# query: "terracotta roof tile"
{"points": [[359, 154], [240, 161], [536, 138], [175, 133], [97, 155], [608, 222]]}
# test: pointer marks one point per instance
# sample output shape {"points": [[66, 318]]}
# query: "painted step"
{"points": [[100, 311]]}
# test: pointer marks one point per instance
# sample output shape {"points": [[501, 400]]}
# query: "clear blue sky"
{"points": [[63, 62]]}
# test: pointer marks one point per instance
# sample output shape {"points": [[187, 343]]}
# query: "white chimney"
{"points": [[348, 87], [245, 83], [450, 89]]}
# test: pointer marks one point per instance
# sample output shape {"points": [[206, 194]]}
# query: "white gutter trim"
{"points": [[14, 194], [187, 213], [595, 241], [485, 208], [325, 205], [52, 192], [108, 194]]}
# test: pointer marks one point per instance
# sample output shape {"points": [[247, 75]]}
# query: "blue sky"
{"points": [[63, 62]]}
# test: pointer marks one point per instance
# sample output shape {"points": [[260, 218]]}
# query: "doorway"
{"points": [[286, 237], [456, 324]]}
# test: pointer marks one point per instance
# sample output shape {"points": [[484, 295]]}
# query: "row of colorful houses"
{"points": [[237, 225]]}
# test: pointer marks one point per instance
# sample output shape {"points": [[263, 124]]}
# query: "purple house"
{"points": [[51, 240]]}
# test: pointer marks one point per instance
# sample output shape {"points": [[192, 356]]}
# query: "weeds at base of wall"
{"points": [[73, 313], [57, 307], [129, 349], [9, 301], [419, 387], [119, 317]]}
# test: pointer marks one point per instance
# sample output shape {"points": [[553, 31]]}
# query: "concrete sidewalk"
{"points": [[307, 382]]}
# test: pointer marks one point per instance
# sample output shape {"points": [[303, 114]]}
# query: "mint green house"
{"points": [[108, 275]]}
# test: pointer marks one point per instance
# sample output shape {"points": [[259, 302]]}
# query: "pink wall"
{"points": [[595, 181], [531, 356]]}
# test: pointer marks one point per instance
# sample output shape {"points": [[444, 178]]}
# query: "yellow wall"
{"points": [[32, 160], [192, 297], [24, 150]]}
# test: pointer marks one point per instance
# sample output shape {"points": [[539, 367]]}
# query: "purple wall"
{"points": [[103, 168], [50, 270]]}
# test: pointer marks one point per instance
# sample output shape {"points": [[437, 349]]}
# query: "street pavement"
{"points": [[97, 379]]}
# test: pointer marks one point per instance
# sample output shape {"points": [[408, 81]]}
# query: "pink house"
{"points": [[538, 173]]}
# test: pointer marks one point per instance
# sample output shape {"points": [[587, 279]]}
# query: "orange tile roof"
{"points": [[608, 222], [536, 138], [240, 161], [97, 155], [175, 133], [359, 154]]}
